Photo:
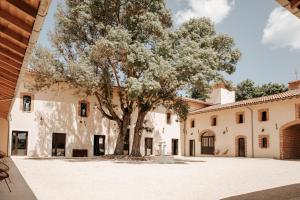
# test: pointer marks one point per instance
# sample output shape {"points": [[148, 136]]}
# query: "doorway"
{"points": [[58, 144], [192, 147], [148, 146], [208, 143], [174, 146], [99, 145], [19, 143], [241, 147]]}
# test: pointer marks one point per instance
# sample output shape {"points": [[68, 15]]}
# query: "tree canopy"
{"points": [[101, 45], [248, 90]]}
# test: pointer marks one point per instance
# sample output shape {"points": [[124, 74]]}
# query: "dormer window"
{"points": [[83, 108]]}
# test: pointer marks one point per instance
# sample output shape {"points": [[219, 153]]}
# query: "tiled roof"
{"points": [[195, 101], [276, 97]]}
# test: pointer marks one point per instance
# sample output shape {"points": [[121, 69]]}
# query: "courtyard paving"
{"points": [[191, 178]]}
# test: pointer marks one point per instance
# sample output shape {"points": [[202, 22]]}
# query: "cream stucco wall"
{"points": [[280, 113], [55, 111], [3, 135]]}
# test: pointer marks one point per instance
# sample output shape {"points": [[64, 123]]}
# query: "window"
{"points": [[168, 118], [264, 141], [263, 115], [213, 121], [240, 118], [26, 102], [83, 108], [193, 123]]}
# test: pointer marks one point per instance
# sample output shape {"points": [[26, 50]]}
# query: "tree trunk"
{"points": [[138, 130], [119, 150]]}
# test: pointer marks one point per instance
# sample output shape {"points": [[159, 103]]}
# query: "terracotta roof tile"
{"points": [[276, 97]]}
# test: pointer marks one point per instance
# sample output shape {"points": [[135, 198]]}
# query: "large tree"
{"points": [[127, 49], [247, 89]]}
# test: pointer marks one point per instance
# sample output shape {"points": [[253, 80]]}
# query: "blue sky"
{"points": [[267, 35]]}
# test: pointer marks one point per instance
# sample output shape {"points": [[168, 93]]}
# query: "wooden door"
{"points": [[174, 146], [192, 147], [208, 145], [242, 147], [148, 146]]}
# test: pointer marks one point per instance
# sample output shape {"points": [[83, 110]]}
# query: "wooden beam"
{"points": [[6, 93], [15, 21], [9, 78], [9, 71], [2, 87], [11, 55], [10, 62], [295, 3], [8, 67], [21, 5], [12, 86], [12, 46], [14, 36]]}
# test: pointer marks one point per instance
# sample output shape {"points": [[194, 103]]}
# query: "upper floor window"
{"points": [[168, 118], [26, 103], [83, 108], [240, 118], [193, 123], [263, 115], [213, 121]]}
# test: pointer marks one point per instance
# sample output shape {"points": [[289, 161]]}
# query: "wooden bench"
{"points": [[80, 153]]}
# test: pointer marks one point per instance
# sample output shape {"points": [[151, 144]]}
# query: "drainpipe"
{"points": [[252, 130]]}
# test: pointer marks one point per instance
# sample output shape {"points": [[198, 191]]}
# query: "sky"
{"points": [[267, 35]]}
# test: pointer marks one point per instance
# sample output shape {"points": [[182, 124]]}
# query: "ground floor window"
{"points": [[148, 146], [19, 143], [58, 144]]}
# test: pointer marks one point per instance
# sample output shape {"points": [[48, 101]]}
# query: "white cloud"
{"points": [[217, 10], [282, 29]]}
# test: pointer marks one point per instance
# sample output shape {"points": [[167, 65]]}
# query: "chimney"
{"points": [[294, 85], [221, 95]]}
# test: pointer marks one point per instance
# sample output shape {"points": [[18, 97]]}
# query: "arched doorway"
{"points": [[207, 142], [241, 146], [290, 140]]}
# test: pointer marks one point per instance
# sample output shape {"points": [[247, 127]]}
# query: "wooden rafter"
{"points": [[15, 21], [6, 84], [22, 6], [295, 3], [11, 46], [14, 36], [5, 66], [11, 55], [8, 77], [10, 62]]}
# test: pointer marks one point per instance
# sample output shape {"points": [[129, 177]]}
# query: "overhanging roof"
{"points": [[20, 25], [291, 5]]}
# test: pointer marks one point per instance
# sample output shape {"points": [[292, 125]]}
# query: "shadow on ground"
{"points": [[288, 192], [19, 187]]}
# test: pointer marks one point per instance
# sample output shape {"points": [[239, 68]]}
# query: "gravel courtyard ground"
{"points": [[196, 178]]}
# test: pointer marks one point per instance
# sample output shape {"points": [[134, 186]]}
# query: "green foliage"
{"points": [[101, 45], [248, 90]]}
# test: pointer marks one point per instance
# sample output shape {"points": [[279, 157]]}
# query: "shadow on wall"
{"points": [[57, 114]]}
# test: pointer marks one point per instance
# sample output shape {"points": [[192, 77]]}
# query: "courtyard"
{"points": [[189, 178]]}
